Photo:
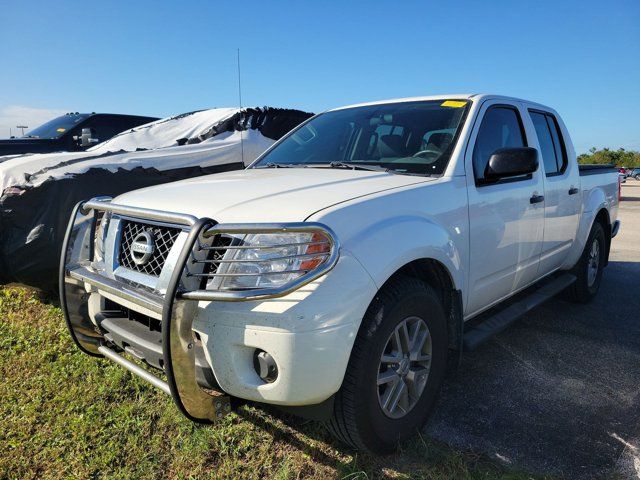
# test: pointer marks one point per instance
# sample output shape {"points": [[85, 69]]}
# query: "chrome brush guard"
{"points": [[81, 274]]}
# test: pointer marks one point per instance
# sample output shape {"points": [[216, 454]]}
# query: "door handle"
{"points": [[573, 191], [536, 199]]}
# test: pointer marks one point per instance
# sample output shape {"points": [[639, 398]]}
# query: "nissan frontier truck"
{"points": [[340, 273]]}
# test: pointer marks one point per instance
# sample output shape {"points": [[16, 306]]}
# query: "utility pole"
{"points": [[240, 101]]}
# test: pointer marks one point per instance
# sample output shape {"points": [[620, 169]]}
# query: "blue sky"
{"points": [[162, 58]]}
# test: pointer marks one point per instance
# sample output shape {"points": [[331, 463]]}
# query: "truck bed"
{"points": [[595, 169]]}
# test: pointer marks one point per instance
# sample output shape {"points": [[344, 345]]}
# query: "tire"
{"points": [[586, 287], [358, 418]]}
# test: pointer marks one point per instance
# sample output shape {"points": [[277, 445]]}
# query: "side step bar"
{"points": [[502, 319]]}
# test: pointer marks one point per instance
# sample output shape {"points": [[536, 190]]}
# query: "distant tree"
{"points": [[619, 158]]}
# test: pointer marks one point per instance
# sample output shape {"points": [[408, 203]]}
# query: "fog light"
{"points": [[265, 366]]}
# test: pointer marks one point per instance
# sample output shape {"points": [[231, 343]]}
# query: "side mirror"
{"points": [[87, 139], [511, 162]]}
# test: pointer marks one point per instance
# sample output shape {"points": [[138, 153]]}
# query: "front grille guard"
{"points": [[177, 306]]}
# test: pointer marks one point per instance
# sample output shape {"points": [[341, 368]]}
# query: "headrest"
{"points": [[391, 146], [440, 140]]}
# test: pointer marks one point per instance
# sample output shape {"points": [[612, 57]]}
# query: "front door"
{"points": [[506, 217]]}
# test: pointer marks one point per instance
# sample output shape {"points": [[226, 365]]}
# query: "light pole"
{"points": [[22, 127]]}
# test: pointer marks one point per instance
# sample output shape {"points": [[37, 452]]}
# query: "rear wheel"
{"points": [[395, 370], [589, 268]]}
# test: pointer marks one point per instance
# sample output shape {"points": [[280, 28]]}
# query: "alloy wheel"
{"points": [[404, 367]]}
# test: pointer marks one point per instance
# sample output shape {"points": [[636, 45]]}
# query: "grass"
{"points": [[67, 415]]}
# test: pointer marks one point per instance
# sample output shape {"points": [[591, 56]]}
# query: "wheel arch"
{"points": [[596, 210], [436, 274], [603, 218]]}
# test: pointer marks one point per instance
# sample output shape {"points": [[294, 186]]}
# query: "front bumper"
{"points": [[227, 326]]}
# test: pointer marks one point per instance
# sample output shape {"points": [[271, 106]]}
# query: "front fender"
{"points": [[388, 230], [387, 245]]}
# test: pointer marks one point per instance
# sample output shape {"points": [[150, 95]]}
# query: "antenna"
{"points": [[240, 101]]}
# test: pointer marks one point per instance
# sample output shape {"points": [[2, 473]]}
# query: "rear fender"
{"points": [[593, 204]]}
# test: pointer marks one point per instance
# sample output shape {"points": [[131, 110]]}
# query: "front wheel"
{"points": [[589, 268], [396, 368]]}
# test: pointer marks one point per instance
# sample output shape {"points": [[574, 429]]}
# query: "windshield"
{"points": [[406, 137], [56, 127]]}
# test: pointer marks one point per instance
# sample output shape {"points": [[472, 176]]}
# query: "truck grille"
{"points": [[164, 238]]}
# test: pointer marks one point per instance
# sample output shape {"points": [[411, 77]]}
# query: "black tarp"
{"points": [[33, 222]]}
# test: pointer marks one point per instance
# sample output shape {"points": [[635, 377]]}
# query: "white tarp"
{"points": [[219, 150], [17, 170], [39, 191]]}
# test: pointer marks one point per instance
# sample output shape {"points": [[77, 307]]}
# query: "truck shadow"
{"points": [[557, 393], [417, 456]]}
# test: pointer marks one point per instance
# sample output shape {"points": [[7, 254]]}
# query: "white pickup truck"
{"points": [[337, 274]]}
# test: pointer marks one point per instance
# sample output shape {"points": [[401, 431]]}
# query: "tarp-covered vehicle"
{"points": [[40, 191], [71, 132]]}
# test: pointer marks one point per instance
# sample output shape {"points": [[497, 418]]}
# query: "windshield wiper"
{"points": [[359, 166], [277, 165], [350, 166]]}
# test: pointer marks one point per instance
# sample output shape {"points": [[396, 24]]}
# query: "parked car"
{"points": [[635, 173], [40, 191], [335, 276], [71, 132]]}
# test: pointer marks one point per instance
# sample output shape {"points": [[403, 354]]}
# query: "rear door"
{"points": [[505, 226], [561, 191]]}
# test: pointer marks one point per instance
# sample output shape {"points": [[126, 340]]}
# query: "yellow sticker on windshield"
{"points": [[453, 104], [61, 130]]}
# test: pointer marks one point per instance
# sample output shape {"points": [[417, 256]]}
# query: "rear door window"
{"points": [[558, 142], [552, 148], [545, 140]]}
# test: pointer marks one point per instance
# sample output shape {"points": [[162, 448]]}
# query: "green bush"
{"points": [[619, 158]]}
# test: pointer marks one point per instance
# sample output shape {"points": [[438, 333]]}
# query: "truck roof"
{"points": [[462, 96], [91, 114]]}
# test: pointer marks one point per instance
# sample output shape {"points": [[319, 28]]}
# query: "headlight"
{"points": [[269, 260]]}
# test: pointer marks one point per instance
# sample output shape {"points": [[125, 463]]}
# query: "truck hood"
{"points": [[24, 141], [265, 195], [20, 146]]}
